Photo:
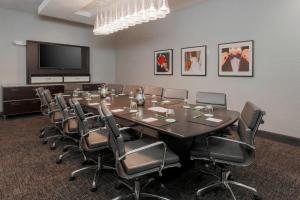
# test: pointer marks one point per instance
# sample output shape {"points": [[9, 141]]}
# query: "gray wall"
{"points": [[272, 24], [23, 26]]}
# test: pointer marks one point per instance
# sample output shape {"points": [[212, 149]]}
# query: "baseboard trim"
{"points": [[279, 138]]}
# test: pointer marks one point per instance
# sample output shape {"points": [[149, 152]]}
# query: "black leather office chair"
{"points": [[227, 152], [217, 100], [55, 116], [94, 139], [70, 127], [136, 159], [44, 110]]}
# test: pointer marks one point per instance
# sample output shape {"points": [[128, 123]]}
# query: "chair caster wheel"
{"points": [[87, 162], [41, 136], [93, 189], [118, 185], [65, 149], [52, 147], [45, 142], [72, 178], [58, 161], [257, 197]]}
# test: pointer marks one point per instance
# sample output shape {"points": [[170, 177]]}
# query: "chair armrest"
{"points": [[92, 117], [230, 141], [67, 119], [124, 128], [160, 143], [89, 114], [90, 131]]}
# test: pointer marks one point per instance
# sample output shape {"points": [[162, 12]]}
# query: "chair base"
{"points": [[99, 167], [137, 191], [224, 180], [68, 149]]}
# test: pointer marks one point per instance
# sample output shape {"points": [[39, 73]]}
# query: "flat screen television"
{"points": [[55, 56]]}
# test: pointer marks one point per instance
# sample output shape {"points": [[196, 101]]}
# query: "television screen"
{"points": [[60, 56]]}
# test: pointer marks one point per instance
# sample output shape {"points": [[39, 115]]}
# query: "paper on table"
{"points": [[95, 95], [78, 99], [66, 95], [108, 104], [149, 120], [198, 107], [93, 104], [158, 109], [166, 101], [117, 110], [133, 111], [214, 120]]}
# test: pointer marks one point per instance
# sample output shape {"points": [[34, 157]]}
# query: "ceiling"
{"points": [[80, 11]]}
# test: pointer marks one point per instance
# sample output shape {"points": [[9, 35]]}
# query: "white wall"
{"points": [[272, 24], [15, 25]]}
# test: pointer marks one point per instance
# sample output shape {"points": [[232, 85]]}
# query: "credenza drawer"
{"points": [[21, 107], [18, 93]]}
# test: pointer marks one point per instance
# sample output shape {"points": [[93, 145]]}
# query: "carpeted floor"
{"points": [[28, 171]]}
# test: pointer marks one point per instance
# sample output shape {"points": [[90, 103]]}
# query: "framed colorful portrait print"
{"points": [[236, 59], [193, 61], [163, 62]]}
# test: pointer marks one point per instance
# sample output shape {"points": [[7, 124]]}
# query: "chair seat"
{"points": [[56, 117], [71, 126], [148, 159], [220, 150], [96, 139]]}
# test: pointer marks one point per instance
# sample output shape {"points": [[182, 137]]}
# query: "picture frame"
{"points": [[163, 62], [193, 61], [236, 59]]}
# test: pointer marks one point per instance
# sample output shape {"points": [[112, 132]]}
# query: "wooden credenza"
{"points": [[23, 99]]}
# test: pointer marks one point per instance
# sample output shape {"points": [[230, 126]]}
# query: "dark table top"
{"points": [[186, 125]]}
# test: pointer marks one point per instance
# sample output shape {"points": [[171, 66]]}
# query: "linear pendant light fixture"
{"points": [[116, 15]]}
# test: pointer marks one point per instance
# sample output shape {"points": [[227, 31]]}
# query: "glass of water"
{"points": [[131, 94], [209, 109], [113, 92], [170, 113]]}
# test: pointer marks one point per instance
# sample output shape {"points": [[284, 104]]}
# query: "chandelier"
{"points": [[116, 15]]}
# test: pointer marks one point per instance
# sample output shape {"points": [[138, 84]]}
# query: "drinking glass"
{"points": [[170, 113], [113, 92], [131, 94], [209, 109], [133, 105]]}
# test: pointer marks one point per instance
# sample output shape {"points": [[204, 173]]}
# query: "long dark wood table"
{"points": [[179, 135], [182, 128]]}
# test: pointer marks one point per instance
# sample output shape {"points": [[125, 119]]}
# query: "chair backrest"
{"points": [[211, 98], [153, 90], [117, 87], [170, 93], [48, 98], [60, 101], [78, 110], [62, 105], [116, 142], [249, 122], [130, 88]]}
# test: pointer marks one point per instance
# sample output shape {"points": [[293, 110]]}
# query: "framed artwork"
{"points": [[236, 59], [193, 61], [163, 62]]}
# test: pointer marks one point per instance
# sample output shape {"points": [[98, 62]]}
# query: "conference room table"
{"points": [[179, 130]]}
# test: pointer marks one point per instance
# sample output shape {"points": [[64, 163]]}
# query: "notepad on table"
{"points": [[158, 109], [166, 101], [93, 104], [149, 120], [117, 110], [198, 107], [214, 120]]}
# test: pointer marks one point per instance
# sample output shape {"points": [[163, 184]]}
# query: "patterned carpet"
{"points": [[28, 171]]}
